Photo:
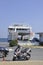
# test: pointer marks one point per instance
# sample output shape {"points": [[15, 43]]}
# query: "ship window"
{"points": [[11, 29], [21, 29], [18, 29]]}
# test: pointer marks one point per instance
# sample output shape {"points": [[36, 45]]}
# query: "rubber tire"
{"points": [[14, 58], [28, 58]]}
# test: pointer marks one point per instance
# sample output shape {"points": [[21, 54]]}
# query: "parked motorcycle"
{"points": [[3, 51], [25, 54]]}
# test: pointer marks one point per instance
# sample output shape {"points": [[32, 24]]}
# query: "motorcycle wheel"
{"points": [[27, 58], [14, 58]]}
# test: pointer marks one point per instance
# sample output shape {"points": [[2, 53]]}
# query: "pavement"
{"points": [[36, 54], [22, 63]]}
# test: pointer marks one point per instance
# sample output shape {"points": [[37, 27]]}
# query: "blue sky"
{"points": [[27, 12]]}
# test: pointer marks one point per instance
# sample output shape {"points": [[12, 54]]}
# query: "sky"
{"points": [[26, 12]]}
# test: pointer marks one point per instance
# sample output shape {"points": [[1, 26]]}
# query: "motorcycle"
{"points": [[25, 54], [3, 51]]}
